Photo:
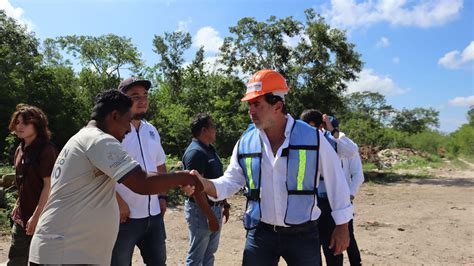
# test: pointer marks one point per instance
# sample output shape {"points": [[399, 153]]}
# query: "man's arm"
{"points": [[33, 221], [338, 195], [163, 197], [138, 181], [357, 174], [123, 208]]}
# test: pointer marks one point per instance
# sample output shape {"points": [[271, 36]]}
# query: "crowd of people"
{"points": [[105, 192]]}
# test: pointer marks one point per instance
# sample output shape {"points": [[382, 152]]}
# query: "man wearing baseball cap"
{"points": [[141, 216], [277, 161]]}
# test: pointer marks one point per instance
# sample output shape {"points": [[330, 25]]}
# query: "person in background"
{"points": [[352, 167], [141, 216], [202, 157], [34, 160]]}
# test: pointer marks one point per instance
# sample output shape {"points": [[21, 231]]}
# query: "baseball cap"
{"points": [[129, 82], [334, 121]]}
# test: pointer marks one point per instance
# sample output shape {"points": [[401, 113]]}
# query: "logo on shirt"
{"points": [[152, 134], [115, 156]]}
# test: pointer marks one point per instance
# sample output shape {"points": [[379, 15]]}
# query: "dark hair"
{"points": [[34, 115], [199, 121], [312, 115], [273, 99], [109, 101]]}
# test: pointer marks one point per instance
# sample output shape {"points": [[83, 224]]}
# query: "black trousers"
{"points": [[20, 246], [326, 226]]}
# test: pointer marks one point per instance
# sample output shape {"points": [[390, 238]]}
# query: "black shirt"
{"points": [[204, 159]]}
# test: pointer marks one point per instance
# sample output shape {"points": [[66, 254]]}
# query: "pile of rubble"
{"points": [[386, 158]]}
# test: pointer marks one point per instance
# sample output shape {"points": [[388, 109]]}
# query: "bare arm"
{"points": [[209, 187], [31, 225], [138, 182], [163, 200], [123, 208]]}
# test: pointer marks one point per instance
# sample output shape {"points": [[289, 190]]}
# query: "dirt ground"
{"points": [[412, 221]]}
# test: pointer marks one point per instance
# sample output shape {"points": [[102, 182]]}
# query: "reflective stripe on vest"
{"points": [[302, 168]]}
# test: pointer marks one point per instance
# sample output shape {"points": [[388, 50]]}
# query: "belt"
{"points": [[300, 228], [210, 202]]}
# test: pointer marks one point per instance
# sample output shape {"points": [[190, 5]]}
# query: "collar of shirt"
{"points": [[33, 145], [266, 143], [202, 145]]}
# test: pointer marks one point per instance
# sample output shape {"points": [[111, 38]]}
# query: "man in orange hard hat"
{"points": [[278, 161]]}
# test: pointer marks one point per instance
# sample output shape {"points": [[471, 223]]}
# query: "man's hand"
{"points": [[339, 239], [328, 123], [123, 208], [226, 212], [31, 225], [163, 205]]}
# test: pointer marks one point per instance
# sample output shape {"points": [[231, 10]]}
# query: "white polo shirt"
{"points": [[145, 147]]}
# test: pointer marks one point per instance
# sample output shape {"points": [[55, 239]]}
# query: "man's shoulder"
{"points": [[194, 150], [148, 126]]}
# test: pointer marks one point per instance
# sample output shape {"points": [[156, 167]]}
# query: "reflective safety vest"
{"points": [[301, 177]]}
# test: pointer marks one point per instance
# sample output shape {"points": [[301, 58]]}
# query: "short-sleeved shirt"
{"points": [[203, 158], [80, 221], [144, 145], [32, 163]]}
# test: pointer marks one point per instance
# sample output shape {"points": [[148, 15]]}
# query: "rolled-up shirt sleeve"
{"points": [[346, 148], [232, 180], [336, 185]]}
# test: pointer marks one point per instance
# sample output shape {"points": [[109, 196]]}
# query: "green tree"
{"points": [[416, 120], [462, 141], [19, 62], [107, 54], [368, 105], [171, 48], [470, 115], [316, 69], [102, 59]]}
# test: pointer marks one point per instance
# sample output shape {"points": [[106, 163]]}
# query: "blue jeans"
{"points": [[148, 234], [265, 247], [202, 242]]}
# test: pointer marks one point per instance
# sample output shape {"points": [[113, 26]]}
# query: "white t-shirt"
{"points": [[144, 146], [80, 221]]}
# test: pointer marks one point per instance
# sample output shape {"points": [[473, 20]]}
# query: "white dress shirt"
{"points": [[346, 148], [353, 172], [273, 191]]}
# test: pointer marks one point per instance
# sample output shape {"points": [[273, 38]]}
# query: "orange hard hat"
{"points": [[263, 82]]}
